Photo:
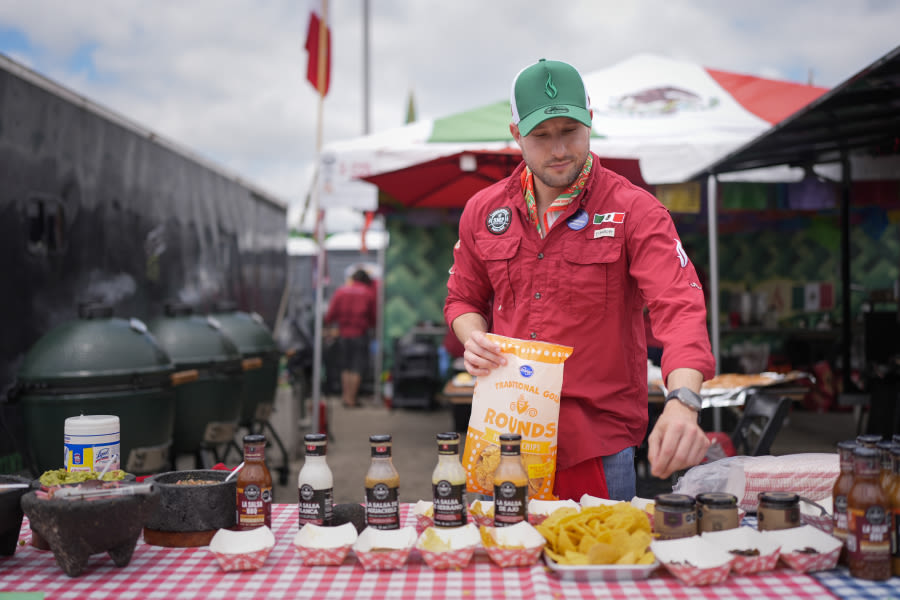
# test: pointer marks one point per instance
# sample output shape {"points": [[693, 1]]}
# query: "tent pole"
{"points": [[320, 231], [379, 327], [846, 329], [713, 227], [712, 215]]}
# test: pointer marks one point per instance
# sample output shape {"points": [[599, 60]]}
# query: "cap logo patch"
{"points": [[549, 88], [498, 221], [553, 110]]}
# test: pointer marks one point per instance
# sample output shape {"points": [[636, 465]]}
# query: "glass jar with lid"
{"points": [[778, 510], [717, 511], [674, 516]]}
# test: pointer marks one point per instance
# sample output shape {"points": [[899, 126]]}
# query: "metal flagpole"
{"points": [[320, 226]]}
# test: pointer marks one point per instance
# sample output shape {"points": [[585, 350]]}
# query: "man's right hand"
{"points": [[481, 354]]}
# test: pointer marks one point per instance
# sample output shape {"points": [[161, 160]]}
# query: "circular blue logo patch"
{"points": [[578, 221], [526, 371]]}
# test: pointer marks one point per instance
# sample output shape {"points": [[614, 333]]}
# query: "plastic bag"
{"points": [[811, 475]]}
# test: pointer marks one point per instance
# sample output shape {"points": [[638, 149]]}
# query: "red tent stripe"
{"points": [[770, 100]]}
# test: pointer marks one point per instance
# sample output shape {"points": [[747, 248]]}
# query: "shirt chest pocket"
{"points": [[499, 257], [596, 269]]}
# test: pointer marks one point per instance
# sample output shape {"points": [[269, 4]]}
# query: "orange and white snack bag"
{"points": [[521, 397]]}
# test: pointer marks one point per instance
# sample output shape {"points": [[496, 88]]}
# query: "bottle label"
{"points": [[840, 516], [254, 507], [449, 507], [315, 506], [315, 450], [509, 503], [868, 534], [383, 507]]}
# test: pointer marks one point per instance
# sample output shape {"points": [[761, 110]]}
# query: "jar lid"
{"points": [[380, 438], [675, 500], [717, 499], [847, 445], [868, 439], [781, 499]]}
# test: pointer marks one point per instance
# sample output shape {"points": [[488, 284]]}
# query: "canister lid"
{"points": [[779, 499], [847, 445], [720, 499], [674, 500], [92, 425]]}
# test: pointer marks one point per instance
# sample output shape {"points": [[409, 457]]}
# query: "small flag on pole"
{"points": [[318, 47]]}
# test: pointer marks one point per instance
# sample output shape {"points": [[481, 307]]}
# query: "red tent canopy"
{"points": [[449, 181]]}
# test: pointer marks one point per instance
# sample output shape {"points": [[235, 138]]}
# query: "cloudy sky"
{"points": [[226, 78]]}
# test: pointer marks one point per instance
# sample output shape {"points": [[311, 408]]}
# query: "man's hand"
{"points": [[676, 442], [481, 354]]}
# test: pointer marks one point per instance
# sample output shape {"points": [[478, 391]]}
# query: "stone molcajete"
{"points": [[76, 529]]}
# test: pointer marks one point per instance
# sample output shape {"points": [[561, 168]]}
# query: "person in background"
{"points": [[352, 309], [568, 252]]}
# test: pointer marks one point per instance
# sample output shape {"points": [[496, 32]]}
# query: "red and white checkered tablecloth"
{"points": [[166, 573]]}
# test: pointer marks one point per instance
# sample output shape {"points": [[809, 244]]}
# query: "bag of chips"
{"points": [[520, 397]]}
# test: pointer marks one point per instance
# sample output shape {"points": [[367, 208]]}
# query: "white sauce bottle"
{"points": [[315, 483]]}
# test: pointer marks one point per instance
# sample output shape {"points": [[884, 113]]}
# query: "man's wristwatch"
{"points": [[686, 396]]}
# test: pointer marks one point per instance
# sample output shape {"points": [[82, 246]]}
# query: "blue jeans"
{"points": [[621, 481]]}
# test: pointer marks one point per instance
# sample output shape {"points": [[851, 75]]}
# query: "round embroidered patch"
{"points": [[498, 221], [578, 221]]}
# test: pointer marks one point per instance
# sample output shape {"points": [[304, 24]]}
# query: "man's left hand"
{"points": [[676, 442]]}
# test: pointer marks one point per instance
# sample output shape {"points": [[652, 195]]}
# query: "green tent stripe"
{"points": [[484, 124]]}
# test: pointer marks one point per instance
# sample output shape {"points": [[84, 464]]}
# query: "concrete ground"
{"points": [[415, 449]]}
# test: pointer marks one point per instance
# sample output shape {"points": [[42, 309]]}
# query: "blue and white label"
{"points": [[578, 221], [526, 371]]}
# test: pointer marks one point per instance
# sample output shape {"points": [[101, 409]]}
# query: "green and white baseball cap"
{"points": [[546, 90]]}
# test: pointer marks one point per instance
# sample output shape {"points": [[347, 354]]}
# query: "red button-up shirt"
{"points": [[584, 285], [353, 308]]}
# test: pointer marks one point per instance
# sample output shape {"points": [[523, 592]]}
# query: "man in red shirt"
{"points": [[353, 309], [568, 252]]}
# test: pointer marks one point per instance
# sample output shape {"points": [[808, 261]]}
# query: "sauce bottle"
{"points": [[382, 486], [510, 483], [254, 486], [315, 483], [448, 482], [839, 492], [894, 497], [868, 509]]}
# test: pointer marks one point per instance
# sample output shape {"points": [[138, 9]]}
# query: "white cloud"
{"points": [[227, 78]]}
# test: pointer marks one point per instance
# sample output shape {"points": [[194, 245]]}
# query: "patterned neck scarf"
{"points": [[560, 204]]}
